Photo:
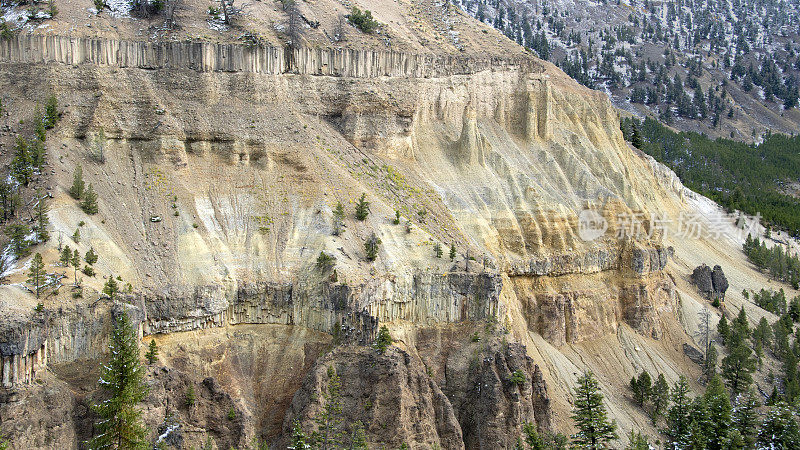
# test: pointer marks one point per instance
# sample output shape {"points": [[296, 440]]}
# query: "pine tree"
{"points": [[41, 218], [152, 352], [780, 429], [111, 287], [22, 164], [18, 235], [338, 219], [299, 439], [66, 256], [641, 388], [452, 252], [358, 437], [679, 415], [191, 397], [371, 247], [89, 202], [710, 362], [738, 367], [36, 274], [723, 329], [78, 185], [719, 408], [76, 263], [362, 208], [90, 257], [384, 340], [329, 420], [659, 397], [636, 137], [637, 441], [120, 425], [745, 417], [437, 250], [590, 417]]}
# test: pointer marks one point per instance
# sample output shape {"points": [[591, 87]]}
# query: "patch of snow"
{"points": [[119, 8]]}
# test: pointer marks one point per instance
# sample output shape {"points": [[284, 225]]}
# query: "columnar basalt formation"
{"points": [[238, 57]]}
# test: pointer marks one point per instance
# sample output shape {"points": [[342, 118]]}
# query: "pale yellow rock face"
{"points": [[219, 184]]}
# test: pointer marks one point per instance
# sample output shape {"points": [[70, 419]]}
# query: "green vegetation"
{"points": [[589, 414], [325, 262], [517, 378], [111, 288], [329, 434], [384, 340], [452, 252], [362, 20], [18, 237], [338, 219], [371, 246], [437, 250], [775, 261], [120, 420], [78, 185], [42, 222], [734, 174], [641, 387], [89, 201], [152, 352], [37, 274], [362, 208]]}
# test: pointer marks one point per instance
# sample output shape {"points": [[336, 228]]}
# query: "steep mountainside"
{"points": [[219, 165], [725, 68]]}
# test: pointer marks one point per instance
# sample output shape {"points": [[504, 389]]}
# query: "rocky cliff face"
{"points": [[222, 165]]}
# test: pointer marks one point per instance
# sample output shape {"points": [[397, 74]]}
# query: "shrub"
{"points": [[384, 340], [325, 261], [517, 378], [362, 20]]}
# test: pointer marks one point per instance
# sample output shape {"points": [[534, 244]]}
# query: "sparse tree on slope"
{"points": [[590, 415], [120, 425], [36, 274]]}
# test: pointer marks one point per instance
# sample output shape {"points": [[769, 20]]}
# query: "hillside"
{"points": [[220, 154], [725, 69]]}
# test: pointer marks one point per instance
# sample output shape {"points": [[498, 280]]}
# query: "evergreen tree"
{"points": [[659, 397], [89, 202], [723, 329], [299, 439], [358, 437], [362, 208], [738, 367], [41, 218], [328, 435], [90, 257], [641, 388], [719, 408], [745, 417], [120, 425], [18, 235], [384, 339], [338, 219], [452, 252], [76, 263], [22, 163], [590, 417], [710, 362], [437, 250], [636, 137], [36, 274], [637, 441], [152, 352], [679, 415], [371, 247], [111, 287], [78, 185], [780, 429], [66, 256], [699, 424], [191, 397]]}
